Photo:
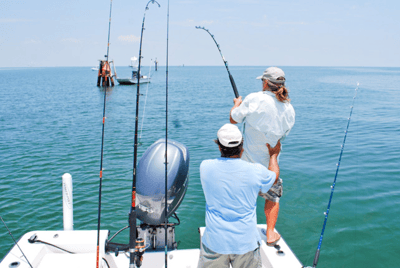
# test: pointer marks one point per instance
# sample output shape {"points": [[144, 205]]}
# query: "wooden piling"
{"points": [[105, 75]]}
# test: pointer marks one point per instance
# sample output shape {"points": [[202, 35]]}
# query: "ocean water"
{"points": [[51, 121]]}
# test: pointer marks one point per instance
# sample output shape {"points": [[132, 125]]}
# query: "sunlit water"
{"points": [[51, 120]]}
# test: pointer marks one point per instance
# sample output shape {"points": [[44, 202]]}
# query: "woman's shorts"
{"points": [[275, 193]]}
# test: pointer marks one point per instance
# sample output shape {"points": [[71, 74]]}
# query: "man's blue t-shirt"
{"points": [[231, 187]]}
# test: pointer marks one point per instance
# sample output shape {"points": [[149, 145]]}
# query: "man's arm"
{"points": [[273, 159], [237, 102]]}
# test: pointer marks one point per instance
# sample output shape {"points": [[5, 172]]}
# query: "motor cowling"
{"points": [[150, 181]]}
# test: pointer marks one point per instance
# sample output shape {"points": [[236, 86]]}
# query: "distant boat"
{"points": [[135, 76], [134, 80], [95, 69]]}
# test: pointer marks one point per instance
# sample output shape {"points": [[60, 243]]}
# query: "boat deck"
{"points": [[82, 248]]}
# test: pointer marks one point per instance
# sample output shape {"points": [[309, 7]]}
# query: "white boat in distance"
{"points": [[134, 79]]}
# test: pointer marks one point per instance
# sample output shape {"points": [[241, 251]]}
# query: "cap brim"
{"points": [[277, 81], [259, 77]]}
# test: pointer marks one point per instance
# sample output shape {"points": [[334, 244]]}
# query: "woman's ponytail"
{"points": [[282, 94], [280, 91]]}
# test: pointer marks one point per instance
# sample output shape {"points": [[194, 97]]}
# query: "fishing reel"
{"points": [[139, 250]]}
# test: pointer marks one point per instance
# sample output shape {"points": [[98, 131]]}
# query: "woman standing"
{"points": [[267, 117]]}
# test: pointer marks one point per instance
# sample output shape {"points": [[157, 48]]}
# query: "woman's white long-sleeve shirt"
{"points": [[265, 120]]}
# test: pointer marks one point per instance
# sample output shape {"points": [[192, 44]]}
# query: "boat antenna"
{"points": [[15, 242], [225, 62], [166, 148], [132, 213], [333, 185], [105, 88]]}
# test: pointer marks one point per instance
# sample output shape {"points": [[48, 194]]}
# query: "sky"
{"points": [[52, 33]]}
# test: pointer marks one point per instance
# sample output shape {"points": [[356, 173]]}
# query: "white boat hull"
{"points": [[131, 81], [84, 245]]}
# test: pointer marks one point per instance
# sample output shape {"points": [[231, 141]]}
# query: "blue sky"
{"points": [[250, 33]]}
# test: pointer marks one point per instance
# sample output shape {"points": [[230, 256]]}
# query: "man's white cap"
{"points": [[229, 135], [272, 74]]}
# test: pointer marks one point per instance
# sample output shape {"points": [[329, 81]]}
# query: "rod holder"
{"points": [[68, 208]]}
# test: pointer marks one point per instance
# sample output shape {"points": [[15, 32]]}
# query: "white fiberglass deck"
{"points": [[83, 245]]}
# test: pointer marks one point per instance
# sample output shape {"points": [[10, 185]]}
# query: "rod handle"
{"points": [[234, 86], [316, 258], [132, 236]]}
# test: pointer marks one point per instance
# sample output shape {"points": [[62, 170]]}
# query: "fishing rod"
{"points": [[225, 62], [132, 213], [102, 148], [109, 30], [333, 186], [166, 150], [141, 39], [15, 242], [104, 67]]}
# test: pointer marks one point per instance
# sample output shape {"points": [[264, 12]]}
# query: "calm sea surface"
{"points": [[51, 121]]}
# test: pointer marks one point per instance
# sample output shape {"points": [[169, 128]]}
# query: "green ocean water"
{"points": [[51, 121]]}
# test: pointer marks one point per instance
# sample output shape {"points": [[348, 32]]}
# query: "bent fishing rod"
{"points": [[15, 242], [225, 62], [333, 186], [132, 213], [105, 88]]}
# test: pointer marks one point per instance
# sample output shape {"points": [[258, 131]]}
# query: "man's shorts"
{"points": [[212, 259], [275, 193]]}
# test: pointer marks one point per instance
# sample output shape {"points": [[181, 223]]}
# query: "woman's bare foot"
{"points": [[272, 238]]}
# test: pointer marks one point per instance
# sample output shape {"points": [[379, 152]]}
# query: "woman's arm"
{"points": [[273, 160], [236, 103]]}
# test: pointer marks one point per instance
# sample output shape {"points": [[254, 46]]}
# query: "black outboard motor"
{"points": [[150, 190]]}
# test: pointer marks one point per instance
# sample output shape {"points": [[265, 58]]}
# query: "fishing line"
{"points": [[15, 242], [235, 91], [102, 148], [132, 213], [166, 146], [144, 106], [333, 185]]}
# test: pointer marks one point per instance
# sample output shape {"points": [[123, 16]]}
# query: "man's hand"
{"points": [[276, 150]]}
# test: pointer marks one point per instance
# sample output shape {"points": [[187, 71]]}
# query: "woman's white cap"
{"points": [[229, 135], [272, 74]]}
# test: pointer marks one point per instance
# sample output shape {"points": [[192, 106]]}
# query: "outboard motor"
{"points": [[150, 190]]}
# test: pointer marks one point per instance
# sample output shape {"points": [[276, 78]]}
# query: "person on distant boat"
{"points": [[267, 117], [231, 187]]}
